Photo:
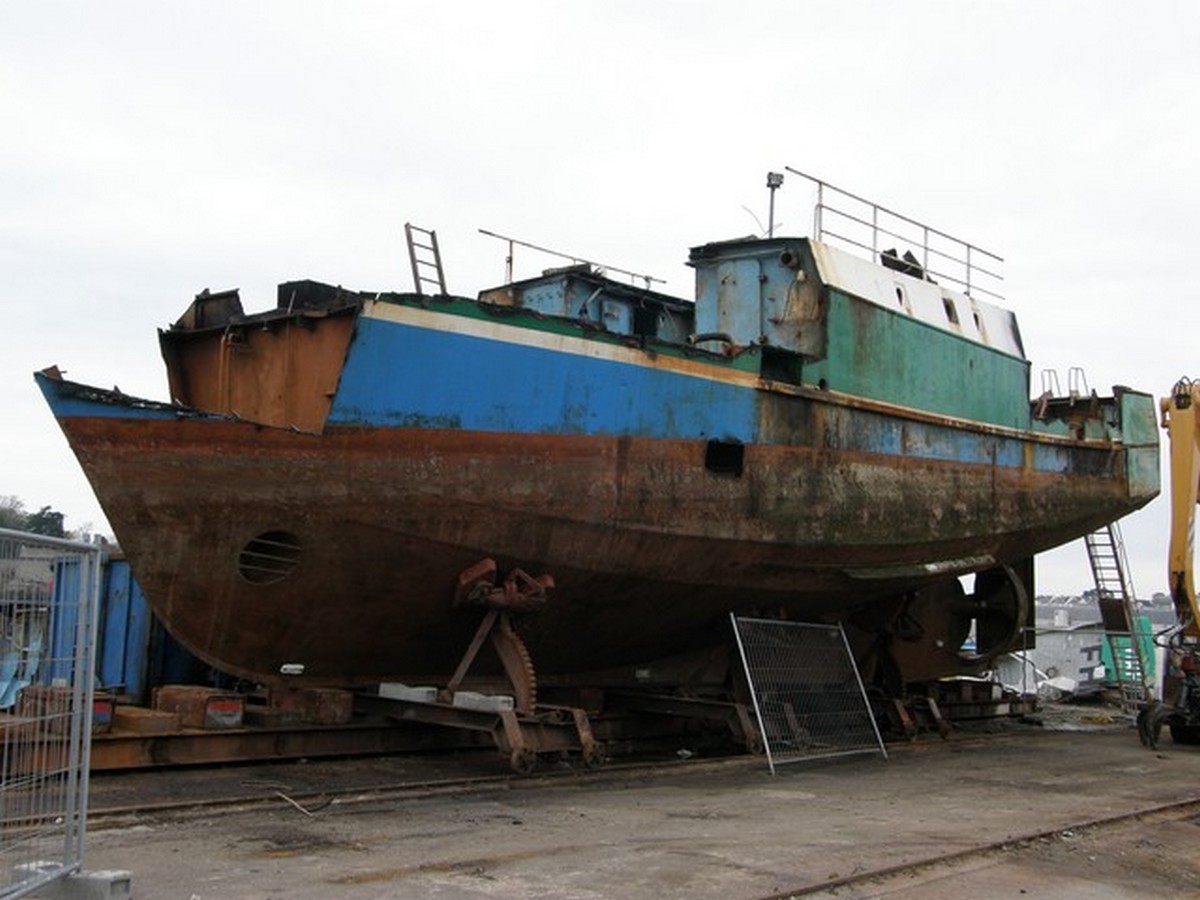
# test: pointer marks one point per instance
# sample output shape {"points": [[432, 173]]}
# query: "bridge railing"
{"points": [[855, 223]]}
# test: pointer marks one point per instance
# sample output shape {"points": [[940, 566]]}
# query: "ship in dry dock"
{"points": [[824, 433]]}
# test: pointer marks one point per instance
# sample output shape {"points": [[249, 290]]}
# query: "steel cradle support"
{"points": [[520, 727]]}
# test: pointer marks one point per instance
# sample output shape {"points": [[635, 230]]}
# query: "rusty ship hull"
{"points": [[327, 470]]}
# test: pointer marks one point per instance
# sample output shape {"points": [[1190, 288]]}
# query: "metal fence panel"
{"points": [[48, 594], [808, 697]]}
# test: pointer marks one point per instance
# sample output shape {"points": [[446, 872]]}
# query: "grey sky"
{"points": [[152, 149]]}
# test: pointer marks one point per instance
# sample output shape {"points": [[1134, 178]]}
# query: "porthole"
{"points": [[270, 557]]}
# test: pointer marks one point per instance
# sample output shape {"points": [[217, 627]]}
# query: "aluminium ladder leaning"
{"points": [[425, 257], [1114, 592]]}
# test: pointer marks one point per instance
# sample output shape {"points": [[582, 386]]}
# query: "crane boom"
{"points": [[1180, 419], [1179, 708]]}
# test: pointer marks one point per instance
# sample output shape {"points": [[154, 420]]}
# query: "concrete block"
{"points": [[482, 702], [395, 691], [110, 884]]}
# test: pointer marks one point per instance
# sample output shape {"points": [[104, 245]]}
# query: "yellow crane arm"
{"points": [[1179, 418]]}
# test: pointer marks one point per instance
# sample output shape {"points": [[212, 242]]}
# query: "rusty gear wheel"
{"points": [[517, 663]]}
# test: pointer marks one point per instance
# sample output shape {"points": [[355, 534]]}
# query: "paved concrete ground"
{"points": [[718, 830]]}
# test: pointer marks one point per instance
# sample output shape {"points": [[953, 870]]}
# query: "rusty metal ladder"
{"points": [[1114, 593], [425, 258]]}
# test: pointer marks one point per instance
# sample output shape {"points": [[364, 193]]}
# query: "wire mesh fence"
{"points": [[48, 591], [808, 698]]}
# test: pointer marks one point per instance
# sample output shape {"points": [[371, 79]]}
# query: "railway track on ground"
{"points": [[1041, 816], [253, 792], [231, 791], [930, 866]]}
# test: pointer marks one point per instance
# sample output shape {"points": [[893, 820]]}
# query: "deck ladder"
{"points": [[1114, 591], [426, 260]]}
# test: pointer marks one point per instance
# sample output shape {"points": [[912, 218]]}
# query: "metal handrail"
{"points": [[577, 260], [961, 253]]}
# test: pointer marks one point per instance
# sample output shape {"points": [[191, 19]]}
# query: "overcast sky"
{"points": [[153, 149]]}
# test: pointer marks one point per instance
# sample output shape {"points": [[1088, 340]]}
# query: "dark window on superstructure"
{"points": [[645, 321], [724, 458], [951, 312], [781, 365]]}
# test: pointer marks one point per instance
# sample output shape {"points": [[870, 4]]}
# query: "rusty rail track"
{"points": [[275, 793], [278, 792], [256, 791], [1160, 812]]}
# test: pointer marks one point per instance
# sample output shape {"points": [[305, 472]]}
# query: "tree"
{"points": [[12, 513], [45, 521]]}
